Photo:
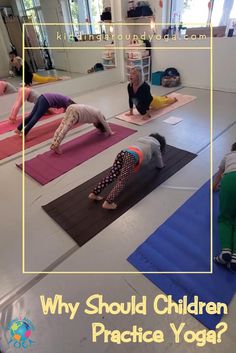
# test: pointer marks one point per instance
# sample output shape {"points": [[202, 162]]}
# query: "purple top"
{"points": [[56, 100]]}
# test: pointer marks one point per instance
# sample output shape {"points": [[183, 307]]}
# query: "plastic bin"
{"points": [[157, 78]]}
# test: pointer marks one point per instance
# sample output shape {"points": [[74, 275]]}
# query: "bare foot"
{"points": [[175, 100], [18, 132], [56, 149], [64, 78], [146, 116], [92, 196], [109, 206]]}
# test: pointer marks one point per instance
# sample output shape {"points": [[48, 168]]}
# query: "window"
{"points": [[217, 12], [33, 11], [85, 11], [96, 8], [188, 11], [223, 11]]}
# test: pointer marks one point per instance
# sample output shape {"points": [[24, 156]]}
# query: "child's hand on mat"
{"points": [[12, 120], [129, 114]]}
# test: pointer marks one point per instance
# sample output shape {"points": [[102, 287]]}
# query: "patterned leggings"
{"points": [[67, 122], [123, 168]]}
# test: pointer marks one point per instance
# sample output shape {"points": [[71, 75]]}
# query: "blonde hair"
{"points": [[17, 61], [139, 70]]}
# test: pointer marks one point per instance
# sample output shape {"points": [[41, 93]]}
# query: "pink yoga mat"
{"points": [[13, 144], [49, 165], [137, 119], [6, 125]]}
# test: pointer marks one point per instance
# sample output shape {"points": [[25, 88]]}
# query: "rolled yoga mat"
{"points": [[6, 125], [49, 165], [182, 244], [82, 218], [137, 119]]}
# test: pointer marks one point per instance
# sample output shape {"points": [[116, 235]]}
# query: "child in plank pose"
{"points": [[30, 96], [141, 97], [43, 103], [79, 113], [227, 214], [6, 87], [128, 162]]}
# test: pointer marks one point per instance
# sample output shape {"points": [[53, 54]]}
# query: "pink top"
{"points": [[87, 114], [30, 96], [6, 87], [3, 85]]}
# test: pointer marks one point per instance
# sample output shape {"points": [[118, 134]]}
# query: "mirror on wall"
{"points": [[87, 43], [79, 40]]}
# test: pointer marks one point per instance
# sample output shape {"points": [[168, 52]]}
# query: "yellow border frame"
{"points": [[211, 147]]}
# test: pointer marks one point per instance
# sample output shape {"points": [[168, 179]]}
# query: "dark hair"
{"points": [[100, 126], [161, 140], [13, 52], [71, 102], [233, 148]]}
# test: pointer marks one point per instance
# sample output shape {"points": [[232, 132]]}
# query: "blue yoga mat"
{"points": [[182, 244]]}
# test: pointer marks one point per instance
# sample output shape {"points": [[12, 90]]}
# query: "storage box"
{"points": [[157, 78]]}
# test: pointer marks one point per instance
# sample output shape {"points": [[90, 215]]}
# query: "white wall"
{"points": [[5, 48], [194, 65], [80, 60]]}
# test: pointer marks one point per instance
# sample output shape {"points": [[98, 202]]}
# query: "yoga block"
{"points": [[157, 78]]}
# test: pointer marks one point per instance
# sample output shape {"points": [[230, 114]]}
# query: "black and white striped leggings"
{"points": [[122, 169]]}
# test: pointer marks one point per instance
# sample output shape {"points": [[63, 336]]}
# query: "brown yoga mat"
{"points": [[82, 218]]}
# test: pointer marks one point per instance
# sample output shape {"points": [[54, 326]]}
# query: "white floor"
{"points": [[48, 245]]}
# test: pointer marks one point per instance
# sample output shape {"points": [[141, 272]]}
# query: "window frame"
{"points": [[36, 9], [210, 13]]}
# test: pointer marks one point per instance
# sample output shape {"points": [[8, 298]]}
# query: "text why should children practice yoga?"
{"points": [[161, 305]]}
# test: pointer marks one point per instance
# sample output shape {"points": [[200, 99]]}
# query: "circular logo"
{"points": [[20, 331]]}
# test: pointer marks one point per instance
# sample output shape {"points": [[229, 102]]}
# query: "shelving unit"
{"points": [[139, 18], [108, 58]]}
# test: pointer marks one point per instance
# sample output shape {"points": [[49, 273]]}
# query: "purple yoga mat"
{"points": [[49, 166]]}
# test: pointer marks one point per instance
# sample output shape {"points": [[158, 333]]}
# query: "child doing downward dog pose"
{"points": [[79, 113], [30, 96], [140, 95], [43, 103], [127, 162], [227, 213]]}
